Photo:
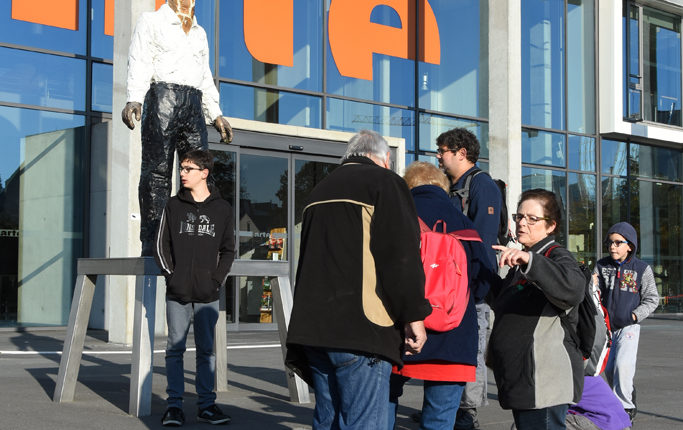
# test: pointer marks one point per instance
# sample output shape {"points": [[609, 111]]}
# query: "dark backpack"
{"points": [[592, 335], [504, 233]]}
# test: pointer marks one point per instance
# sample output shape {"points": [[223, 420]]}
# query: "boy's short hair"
{"points": [[203, 159]]}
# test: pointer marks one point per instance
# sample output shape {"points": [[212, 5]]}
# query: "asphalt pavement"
{"points": [[258, 397]]}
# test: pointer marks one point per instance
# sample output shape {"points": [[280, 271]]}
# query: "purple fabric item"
{"points": [[600, 405]]}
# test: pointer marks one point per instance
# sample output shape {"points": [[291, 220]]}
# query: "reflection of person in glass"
{"points": [[168, 69]]}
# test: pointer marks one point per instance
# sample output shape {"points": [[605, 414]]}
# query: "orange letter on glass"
{"points": [[109, 15], [269, 30], [353, 38], [62, 14]]}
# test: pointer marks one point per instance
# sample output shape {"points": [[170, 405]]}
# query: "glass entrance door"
{"points": [[267, 190]]}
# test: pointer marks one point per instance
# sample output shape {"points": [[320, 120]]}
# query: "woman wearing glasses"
{"points": [[537, 366]]}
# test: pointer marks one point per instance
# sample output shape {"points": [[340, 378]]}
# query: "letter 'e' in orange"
{"points": [[269, 30], [353, 38], [62, 14]]}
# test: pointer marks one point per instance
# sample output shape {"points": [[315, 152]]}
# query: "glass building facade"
{"points": [[411, 71]]}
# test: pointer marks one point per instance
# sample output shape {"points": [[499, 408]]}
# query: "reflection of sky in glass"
{"points": [[581, 153], [580, 67], [542, 147], [431, 126], [16, 124], [292, 109], [101, 45], [235, 61], [457, 85], [42, 36], [102, 87], [42, 79], [613, 157]]}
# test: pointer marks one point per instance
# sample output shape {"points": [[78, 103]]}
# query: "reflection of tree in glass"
{"points": [[307, 176], [224, 175]]}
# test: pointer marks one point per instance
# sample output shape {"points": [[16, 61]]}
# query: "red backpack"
{"points": [[446, 283]]}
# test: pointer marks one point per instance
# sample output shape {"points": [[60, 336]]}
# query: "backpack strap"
{"points": [[425, 228], [467, 234], [464, 192]]}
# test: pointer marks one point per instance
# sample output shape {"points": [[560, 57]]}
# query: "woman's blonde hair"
{"points": [[423, 173]]}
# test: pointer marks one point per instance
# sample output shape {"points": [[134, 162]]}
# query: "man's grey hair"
{"points": [[366, 143]]}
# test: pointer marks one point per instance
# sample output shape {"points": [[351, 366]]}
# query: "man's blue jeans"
{"points": [[439, 404], [551, 418], [351, 389], [178, 317]]}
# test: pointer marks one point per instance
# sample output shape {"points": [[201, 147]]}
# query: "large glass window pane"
{"points": [[102, 84], [580, 66], [42, 175], [614, 158], [631, 63], [102, 35], [581, 153], [274, 106], [542, 147], [389, 79], [459, 84], [551, 180], [655, 162], [431, 126], [205, 11], [582, 213], [615, 201], [42, 79], [661, 67], [263, 190], [656, 213], [237, 61], [64, 32], [543, 63], [353, 116]]}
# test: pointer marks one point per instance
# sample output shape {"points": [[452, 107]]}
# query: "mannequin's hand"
{"points": [[131, 109], [223, 127]]}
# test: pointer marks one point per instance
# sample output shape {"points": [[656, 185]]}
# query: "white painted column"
{"points": [[124, 172], [505, 96]]}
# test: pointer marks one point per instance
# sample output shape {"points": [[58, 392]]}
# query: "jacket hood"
{"points": [[625, 229], [186, 195]]}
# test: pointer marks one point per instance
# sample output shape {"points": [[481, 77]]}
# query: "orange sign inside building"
{"points": [[109, 15], [269, 30], [62, 14]]}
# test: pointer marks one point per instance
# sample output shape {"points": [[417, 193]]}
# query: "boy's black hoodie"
{"points": [[195, 246]]}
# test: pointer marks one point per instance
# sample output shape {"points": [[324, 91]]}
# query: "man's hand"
{"points": [[416, 336], [131, 108], [223, 127]]}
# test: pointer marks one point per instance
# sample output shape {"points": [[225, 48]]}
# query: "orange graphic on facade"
{"points": [[109, 15], [269, 30], [353, 38], [62, 14]]}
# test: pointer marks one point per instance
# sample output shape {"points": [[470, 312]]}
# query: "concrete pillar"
{"points": [[505, 96], [124, 172]]}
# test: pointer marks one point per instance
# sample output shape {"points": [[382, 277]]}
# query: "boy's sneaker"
{"points": [[466, 419], [173, 417], [213, 415]]}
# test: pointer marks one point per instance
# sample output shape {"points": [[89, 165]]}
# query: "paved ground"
{"points": [[258, 396]]}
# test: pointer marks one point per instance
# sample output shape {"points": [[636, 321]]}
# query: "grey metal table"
{"points": [[146, 272]]}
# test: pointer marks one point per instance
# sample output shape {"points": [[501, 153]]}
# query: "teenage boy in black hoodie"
{"points": [[628, 290], [195, 248]]}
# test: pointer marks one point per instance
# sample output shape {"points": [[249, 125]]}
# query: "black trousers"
{"points": [[172, 120]]}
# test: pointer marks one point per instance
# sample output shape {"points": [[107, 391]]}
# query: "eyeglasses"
{"points": [[616, 243], [188, 169], [441, 151], [530, 219]]}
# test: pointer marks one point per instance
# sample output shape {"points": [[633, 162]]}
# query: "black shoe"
{"points": [[466, 419], [213, 415], [631, 413], [173, 417]]}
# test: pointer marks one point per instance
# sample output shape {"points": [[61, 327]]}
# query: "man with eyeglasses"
{"points": [[629, 292], [458, 153], [195, 248]]}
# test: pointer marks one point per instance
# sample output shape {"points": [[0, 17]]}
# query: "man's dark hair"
{"points": [[203, 159], [460, 138]]}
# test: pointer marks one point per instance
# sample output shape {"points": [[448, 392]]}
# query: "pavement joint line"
{"points": [[156, 351]]}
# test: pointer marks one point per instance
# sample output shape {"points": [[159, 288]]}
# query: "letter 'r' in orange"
{"points": [[269, 30], [354, 38]]}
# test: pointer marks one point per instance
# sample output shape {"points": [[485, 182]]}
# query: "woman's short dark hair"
{"points": [[548, 201], [203, 159], [460, 138]]}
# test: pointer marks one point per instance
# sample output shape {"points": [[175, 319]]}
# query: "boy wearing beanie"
{"points": [[628, 290]]}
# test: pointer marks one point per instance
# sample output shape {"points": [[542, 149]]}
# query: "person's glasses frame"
{"points": [[441, 151], [616, 243], [530, 219], [188, 169]]}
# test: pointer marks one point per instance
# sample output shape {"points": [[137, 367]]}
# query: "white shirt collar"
{"points": [[171, 16]]}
